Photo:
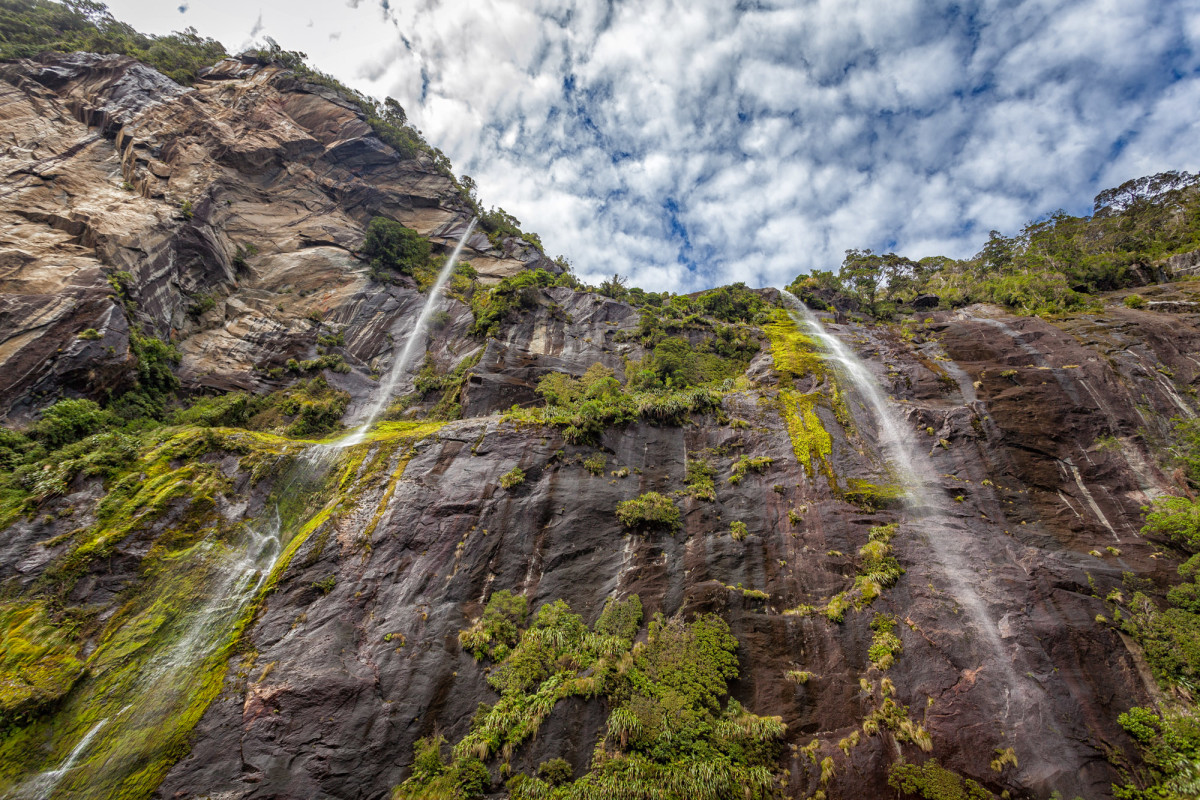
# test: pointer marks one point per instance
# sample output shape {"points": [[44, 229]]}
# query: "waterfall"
{"points": [[42, 785], [416, 339], [917, 478], [167, 683]]}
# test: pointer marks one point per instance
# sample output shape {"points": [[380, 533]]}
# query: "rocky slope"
{"points": [[1044, 438]]}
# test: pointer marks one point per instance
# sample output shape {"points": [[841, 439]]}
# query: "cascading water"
{"points": [[416, 339], [1020, 705], [199, 619], [42, 785], [168, 683], [901, 450]]}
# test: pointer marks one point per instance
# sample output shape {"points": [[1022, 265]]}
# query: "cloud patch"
{"points": [[690, 145]]}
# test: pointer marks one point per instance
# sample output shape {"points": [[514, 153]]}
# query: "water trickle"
{"points": [[901, 449], [42, 785], [415, 340]]}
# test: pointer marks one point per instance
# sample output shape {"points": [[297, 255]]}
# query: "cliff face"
{"points": [[1038, 441]]}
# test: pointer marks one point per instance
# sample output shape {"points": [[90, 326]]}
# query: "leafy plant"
{"points": [[650, 511], [514, 477]]}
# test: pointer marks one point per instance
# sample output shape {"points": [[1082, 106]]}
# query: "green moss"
{"points": [[932, 781], [795, 353], [872, 497], [39, 661], [811, 443]]}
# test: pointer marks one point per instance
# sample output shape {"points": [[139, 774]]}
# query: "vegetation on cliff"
{"points": [[1054, 264], [671, 734]]}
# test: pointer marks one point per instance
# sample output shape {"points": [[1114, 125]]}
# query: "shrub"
{"points": [[1176, 519], [595, 463], [651, 511], [758, 464], [556, 771], [90, 335], [737, 530], [514, 477], [390, 246], [69, 421], [499, 627], [1135, 301], [932, 781]]}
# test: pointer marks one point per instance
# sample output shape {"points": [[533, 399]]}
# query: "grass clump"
{"points": [[743, 464], [650, 511], [700, 478], [514, 477], [877, 570], [885, 644], [737, 529]]}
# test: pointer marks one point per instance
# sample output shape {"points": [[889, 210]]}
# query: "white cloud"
{"points": [[687, 145]]}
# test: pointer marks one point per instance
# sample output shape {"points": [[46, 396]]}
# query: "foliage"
{"points": [[1170, 746], [69, 421], [29, 27], [583, 408], [1176, 519], [885, 644], [1134, 301], [932, 781], [498, 628], [700, 477], [156, 382], [650, 511], [1051, 266], [514, 477], [737, 529], [391, 247], [430, 381], [507, 299], [742, 464], [498, 224], [733, 303], [878, 569]]}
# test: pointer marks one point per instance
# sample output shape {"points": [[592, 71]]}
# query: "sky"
{"points": [[690, 144]]}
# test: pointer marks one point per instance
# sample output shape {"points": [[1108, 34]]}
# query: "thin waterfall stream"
{"points": [[916, 476], [235, 573], [416, 338]]}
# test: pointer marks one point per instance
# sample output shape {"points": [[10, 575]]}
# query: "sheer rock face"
{"points": [[111, 167], [1043, 435]]}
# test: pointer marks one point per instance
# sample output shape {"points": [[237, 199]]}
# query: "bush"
{"points": [[1135, 301], [556, 771], [69, 421], [1176, 519], [737, 530], [651, 511], [390, 246]]}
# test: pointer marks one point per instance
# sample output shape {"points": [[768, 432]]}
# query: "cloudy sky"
{"points": [[686, 144]]}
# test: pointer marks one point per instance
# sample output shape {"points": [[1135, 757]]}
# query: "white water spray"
{"points": [[416, 339], [900, 448]]}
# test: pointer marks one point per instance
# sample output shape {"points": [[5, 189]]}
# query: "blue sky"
{"points": [[691, 144]]}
